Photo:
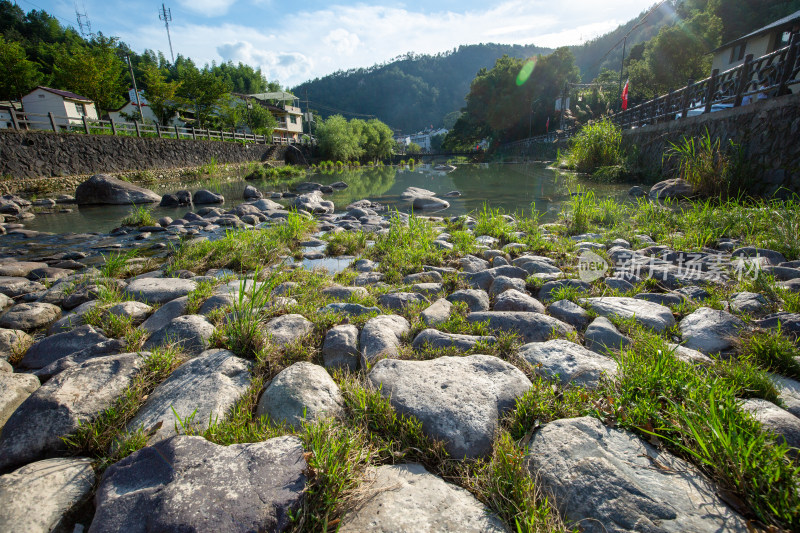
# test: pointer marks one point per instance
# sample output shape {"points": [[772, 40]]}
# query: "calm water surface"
{"points": [[512, 187]]}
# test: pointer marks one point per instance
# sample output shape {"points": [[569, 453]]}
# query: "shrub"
{"points": [[596, 145]]}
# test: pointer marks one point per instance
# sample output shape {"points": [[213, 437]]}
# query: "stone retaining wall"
{"points": [[45, 154], [767, 131]]}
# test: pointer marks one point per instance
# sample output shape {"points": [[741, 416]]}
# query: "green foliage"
{"points": [[345, 243], [595, 146], [160, 93], [341, 140], [116, 264], [139, 216], [774, 352], [93, 70], [204, 91], [258, 118], [406, 248], [19, 74]]}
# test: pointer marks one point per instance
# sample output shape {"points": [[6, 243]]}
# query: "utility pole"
{"points": [[135, 90], [166, 15], [84, 24]]}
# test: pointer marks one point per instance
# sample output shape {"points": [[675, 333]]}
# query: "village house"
{"points": [[759, 43], [67, 108], [130, 111], [285, 107]]}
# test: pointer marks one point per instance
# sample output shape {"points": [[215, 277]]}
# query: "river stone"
{"points": [[190, 484], [517, 300], [611, 481], [368, 278], [350, 309], [104, 189], [546, 290], [397, 301], [338, 292], [13, 341], [204, 388], [472, 264], [500, 284], [422, 277], [710, 331], [532, 327], [774, 419], [286, 329], [19, 269], [476, 299], [303, 391], [649, 314], [458, 400], [30, 316], [602, 337], [189, 333], [407, 497], [165, 314], [436, 339], [109, 347], [771, 256], [570, 363], [159, 290], [688, 355], [136, 311], [204, 197], [73, 319], [48, 273], [788, 322], [429, 202], [54, 347], [483, 279], [437, 313], [313, 202], [674, 188], [14, 389], [381, 336], [668, 298], [56, 409], [340, 349], [569, 312], [37, 496], [788, 392], [15, 287]]}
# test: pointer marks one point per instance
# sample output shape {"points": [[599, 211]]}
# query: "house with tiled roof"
{"points": [[67, 108]]}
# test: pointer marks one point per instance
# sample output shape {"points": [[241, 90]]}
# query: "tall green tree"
{"points": [[203, 91], [19, 75], [161, 94], [94, 70], [336, 140], [258, 118]]}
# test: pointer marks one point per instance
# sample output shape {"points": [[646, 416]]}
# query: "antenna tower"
{"points": [[84, 24], [166, 15]]}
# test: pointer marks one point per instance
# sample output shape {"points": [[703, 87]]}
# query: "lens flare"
{"points": [[526, 71]]}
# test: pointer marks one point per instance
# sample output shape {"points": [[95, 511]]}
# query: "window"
{"points": [[81, 109], [781, 40], [737, 54]]}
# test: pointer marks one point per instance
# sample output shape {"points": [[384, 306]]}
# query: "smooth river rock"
{"points": [[189, 333], [54, 347], [649, 314], [303, 391], [569, 363], [710, 330], [159, 290], [381, 336], [105, 189], [30, 316], [532, 327], [14, 389]]}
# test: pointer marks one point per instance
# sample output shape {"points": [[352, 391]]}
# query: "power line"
{"points": [[84, 24], [166, 15], [641, 21]]}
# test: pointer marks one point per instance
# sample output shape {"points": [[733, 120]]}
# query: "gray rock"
{"points": [[472, 264], [286, 329], [136, 311], [690, 356], [14, 287], [649, 314], [770, 256], [516, 300], [340, 349], [570, 363], [14, 389], [13, 341], [109, 347], [339, 292], [674, 188], [159, 290], [397, 301], [569, 312], [350, 309], [216, 301], [788, 322], [669, 298], [165, 314], [422, 277], [19, 269], [437, 313], [303, 391], [546, 290], [54, 347], [408, 498], [203, 487], [483, 279], [381, 336], [532, 327], [611, 481], [437, 339], [368, 278], [618, 284], [774, 419], [458, 400], [55, 409], [602, 337], [748, 302], [201, 390], [251, 192], [788, 392], [30, 316], [429, 290], [500, 284], [312, 202], [710, 331], [190, 334], [430, 203], [204, 197], [37, 496], [104, 189], [476, 299]]}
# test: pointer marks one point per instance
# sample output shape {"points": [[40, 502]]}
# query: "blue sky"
{"points": [[296, 41]]}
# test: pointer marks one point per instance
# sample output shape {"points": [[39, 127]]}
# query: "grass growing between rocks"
{"points": [[345, 243], [773, 352], [697, 415], [243, 250], [139, 216], [96, 437]]}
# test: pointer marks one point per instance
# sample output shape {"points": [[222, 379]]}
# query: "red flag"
{"points": [[547, 126], [625, 96]]}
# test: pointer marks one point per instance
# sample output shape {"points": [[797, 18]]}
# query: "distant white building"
{"points": [[130, 111], [67, 108], [422, 138]]}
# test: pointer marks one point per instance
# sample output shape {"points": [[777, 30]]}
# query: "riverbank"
{"points": [[451, 371]]}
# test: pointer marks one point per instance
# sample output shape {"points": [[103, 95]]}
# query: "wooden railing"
{"points": [[766, 77], [34, 121]]}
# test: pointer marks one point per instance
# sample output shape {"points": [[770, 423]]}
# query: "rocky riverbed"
{"points": [[458, 347]]}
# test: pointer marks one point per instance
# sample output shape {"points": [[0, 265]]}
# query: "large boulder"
{"points": [[54, 347], [674, 188], [611, 481], [408, 498], [458, 400], [304, 391], [104, 189], [204, 196], [190, 484], [189, 333], [14, 389], [568, 362], [532, 327], [649, 314], [710, 330], [37, 496]]}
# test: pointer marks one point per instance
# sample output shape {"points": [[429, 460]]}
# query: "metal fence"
{"points": [[84, 125]]}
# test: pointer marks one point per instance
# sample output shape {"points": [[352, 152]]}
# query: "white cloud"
{"points": [[301, 45]]}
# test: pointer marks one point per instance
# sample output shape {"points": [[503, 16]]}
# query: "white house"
{"points": [[130, 111], [422, 139], [67, 108], [759, 43], [286, 109]]}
